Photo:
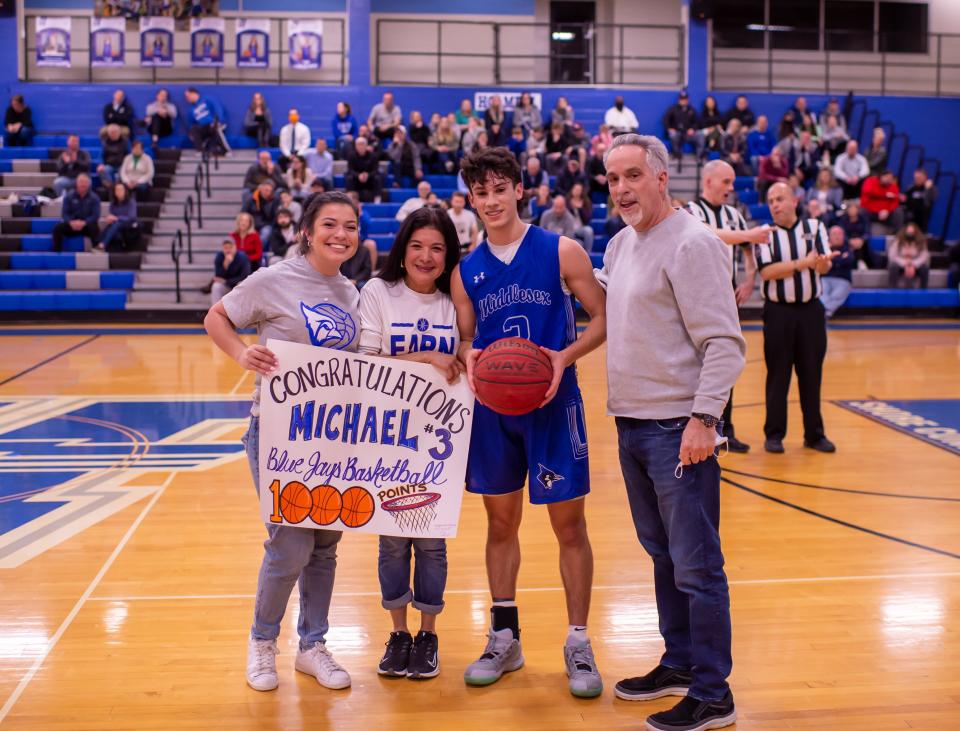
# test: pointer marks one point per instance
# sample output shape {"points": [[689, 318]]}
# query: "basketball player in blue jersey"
{"points": [[518, 282]]}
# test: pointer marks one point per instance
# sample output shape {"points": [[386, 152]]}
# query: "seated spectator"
{"points": [[114, 151], [118, 111], [603, 137], [263, 169], [850, 169], [72, 162], [734, 149], [773, 169], [814, 211], [826, 191], [808, 124], [908, 259], [363, 231], [562, 112], [517, 144], [294, 139], [258, 120], [363, 172], [247, 239], [614, 223], [681, 124], [877, 154], [445, 142], [262, 206], [320, 161], [760, 141], [838, 281], [526, 114], [805, 157], [833, 137], [711, 127], [291, 204], [540, 203], [582, 209], [787, 128], [833, 109], [559, 220], [881, 200], [482, 142], [793, 182], [532, 176], [412, 204], [597, 171], [579, 141], [205, 121], [465, 221], [18, 123], [570, 176], [495, 122], [230, 267], [405, 159], [801, 110], [741, 112], [358, 268], [856, 228], [919, 198], [537, 143], [620, 118], [161, 117], [384, 118], [137, 170], [121, 229], [299, 177], [283, 236], [469, 134], [344, 129], [79, 215], [558, 146], [464, 114], [419, 134]]}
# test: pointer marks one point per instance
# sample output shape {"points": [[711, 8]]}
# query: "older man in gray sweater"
{"points": [[674, 351]]}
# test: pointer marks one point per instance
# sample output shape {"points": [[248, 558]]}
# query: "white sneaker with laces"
{"points": [[262, 664], [318, 662]]}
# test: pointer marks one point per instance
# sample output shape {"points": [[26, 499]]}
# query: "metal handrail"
{"points": [[176, 249], [950, 202], [187, 216], [198, 188]]}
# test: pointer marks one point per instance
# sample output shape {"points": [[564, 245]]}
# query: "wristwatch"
{"points": [[708, 421]]}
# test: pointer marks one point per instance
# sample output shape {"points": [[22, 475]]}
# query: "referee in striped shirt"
{"points": [[794, 326], [727, 222]]}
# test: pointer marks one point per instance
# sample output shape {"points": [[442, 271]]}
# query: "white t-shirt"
{"points": [[409, 206], [395, 320], [464, 222]]}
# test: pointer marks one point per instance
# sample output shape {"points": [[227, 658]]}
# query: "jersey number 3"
{"points": [[517, 326]]}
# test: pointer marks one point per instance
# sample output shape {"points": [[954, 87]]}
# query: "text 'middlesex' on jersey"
{"points": [[524, 298]]}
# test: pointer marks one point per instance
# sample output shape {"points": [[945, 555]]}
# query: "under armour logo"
{"points": [[478, 278]]}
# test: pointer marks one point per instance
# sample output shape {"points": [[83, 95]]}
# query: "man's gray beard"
{"points": [[632, 219]]}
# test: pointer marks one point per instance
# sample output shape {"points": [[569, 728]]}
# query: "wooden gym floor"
{"points": [[132, 612]]}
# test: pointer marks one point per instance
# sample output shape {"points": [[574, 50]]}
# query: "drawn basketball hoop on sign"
{"points": [[413, 513]]}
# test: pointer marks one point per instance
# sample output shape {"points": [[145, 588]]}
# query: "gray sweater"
{"points": [[673, 333]]}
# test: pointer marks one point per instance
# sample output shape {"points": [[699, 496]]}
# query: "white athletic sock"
{"points": [[577, 633], [504, 603]]}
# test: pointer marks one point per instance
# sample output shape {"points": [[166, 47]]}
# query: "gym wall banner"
{"points": [[107, 41], [305, 40], [359, 443], [156, 41], [206, 42], [53, 41], [253, 43]]}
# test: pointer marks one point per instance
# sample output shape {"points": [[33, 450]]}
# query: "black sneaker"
{"points": [[735, 445], [397, 656], [774, 446], [659, 682], [423, 658], [691, 714], [821, 445]]}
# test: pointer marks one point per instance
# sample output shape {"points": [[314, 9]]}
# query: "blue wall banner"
{"points": [[253, 43], [934, 421], [206, 42], [107, 41], [306, 43], [156, 41], [53, 41]]}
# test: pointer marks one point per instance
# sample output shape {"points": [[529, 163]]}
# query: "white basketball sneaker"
{"points": [[318, 662], [262, 664]]}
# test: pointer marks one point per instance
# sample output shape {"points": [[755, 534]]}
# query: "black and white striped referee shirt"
{"points": [[724, 217], [791, 244]]}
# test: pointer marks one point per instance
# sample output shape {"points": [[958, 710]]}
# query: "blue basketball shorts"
{"points": [[548, 445]]}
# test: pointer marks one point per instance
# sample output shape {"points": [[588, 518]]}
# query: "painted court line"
{"points": [[540, 589], [25, 681]]}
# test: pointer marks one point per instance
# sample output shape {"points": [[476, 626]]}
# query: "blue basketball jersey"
{"points": [[523, 298]]}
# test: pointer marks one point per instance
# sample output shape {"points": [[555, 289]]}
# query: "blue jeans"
{"points": [[292, 554], [429, 574], [109, 175], [835, 293], [678, 522]]}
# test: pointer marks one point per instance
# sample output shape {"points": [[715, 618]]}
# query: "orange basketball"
{"points": [[326, 504], [357, 507], [295, 502], [512, 376]]}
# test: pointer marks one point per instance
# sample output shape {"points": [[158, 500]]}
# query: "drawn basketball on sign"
{"points": [[357, 507]]}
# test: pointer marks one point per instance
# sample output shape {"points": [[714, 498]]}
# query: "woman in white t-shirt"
{"points": [[406, 312], [286, 301]]}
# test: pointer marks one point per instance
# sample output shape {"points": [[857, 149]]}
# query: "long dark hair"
{"points": [[311, 210], [426, 217]]}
